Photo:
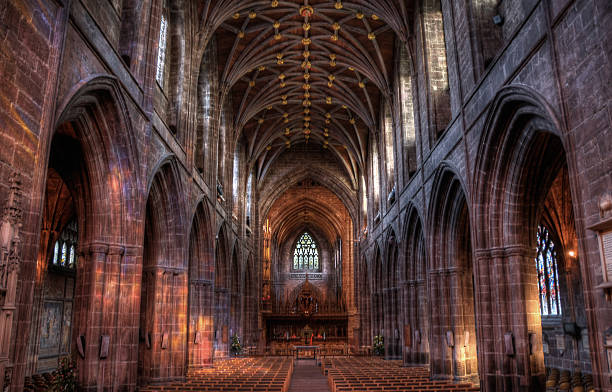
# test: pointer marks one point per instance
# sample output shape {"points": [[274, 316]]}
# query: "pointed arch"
{"points": [[522, 155], [415, 295], [452, 288], [201, 272]]}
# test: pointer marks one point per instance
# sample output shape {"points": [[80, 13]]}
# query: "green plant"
{"points": [[379, 345], [236, 347], [64, 378]]}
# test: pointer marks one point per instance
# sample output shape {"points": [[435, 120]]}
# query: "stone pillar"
{"points": [[508, 311], [199, 338], [126, 367], [87, 319]]}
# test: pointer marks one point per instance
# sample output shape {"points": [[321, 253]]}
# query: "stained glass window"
{"points": [[548, 276], [306, 254], [55, 252], [72, 251], [161, 51], [64, 250]]}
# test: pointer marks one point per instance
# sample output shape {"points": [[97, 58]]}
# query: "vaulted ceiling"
{"points": [[308, 206], [306, 72]]}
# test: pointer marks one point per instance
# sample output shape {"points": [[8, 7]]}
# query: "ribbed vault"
{"points": [[316, 208], [299, 72]]}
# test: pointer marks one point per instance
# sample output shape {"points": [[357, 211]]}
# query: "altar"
{"points": [[309, 352]]}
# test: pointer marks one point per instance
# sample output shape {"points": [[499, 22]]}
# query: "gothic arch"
{"points": [[518, 121], [391, 297], [345, 194], [523, 151], [414, 289], [201, 270], [95, 113], [451, 273], [165, 212], [92, 148], [165, 271]]}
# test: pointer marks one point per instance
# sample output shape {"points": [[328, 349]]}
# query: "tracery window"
{"points": [[64, 250], [161, 51], [548, 277], [306, 254]]}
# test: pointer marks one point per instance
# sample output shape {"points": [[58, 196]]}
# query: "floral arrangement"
{"points": [[236, 347], [64, 378], [379, 345]]}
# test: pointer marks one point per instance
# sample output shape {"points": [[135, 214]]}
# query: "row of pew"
{"points": [[374, 374], [257, 374]]}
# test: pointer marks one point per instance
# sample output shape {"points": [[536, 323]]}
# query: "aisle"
{"points": [[307, 377]]}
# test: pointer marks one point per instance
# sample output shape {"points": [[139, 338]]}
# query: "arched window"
{"points": [[548, 280], [161, 49], [249, 195], [389, 142], [375, 174], [435, 52], [64, 250], [55, 252], [64, 258], [236, 179], [306, 254], [408, 127]]}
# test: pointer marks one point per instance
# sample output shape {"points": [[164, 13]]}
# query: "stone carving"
{"points": [[10, 257]]}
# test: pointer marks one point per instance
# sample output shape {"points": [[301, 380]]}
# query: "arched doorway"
{"points": [[529, 241], [222, 297], [163, 299], [89, 215], [235, 298], [416, 299], [453, 343], [391, 301], [377, 297], [251, 335], [200, 334]]}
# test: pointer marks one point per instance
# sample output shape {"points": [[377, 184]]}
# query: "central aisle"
{"points": [[307, 377]]}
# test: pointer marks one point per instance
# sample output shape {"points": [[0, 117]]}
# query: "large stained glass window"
{"points": [[306, 254], [548, 277]]}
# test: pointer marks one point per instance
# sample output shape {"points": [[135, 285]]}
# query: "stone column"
{"points": [[508, 310], [87, 317]]}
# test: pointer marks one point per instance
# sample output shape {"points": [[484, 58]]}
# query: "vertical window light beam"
{"points": [[435, 48], [364, 197], [409, 132], [248, 201], [375, 175], [161, 51], [389, 155], [236, 178]]}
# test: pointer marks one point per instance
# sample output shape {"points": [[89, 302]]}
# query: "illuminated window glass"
{"points": [[161, 51], [55, 252], [306, 254], [64, 250], [548, 280], [72, 256]]}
